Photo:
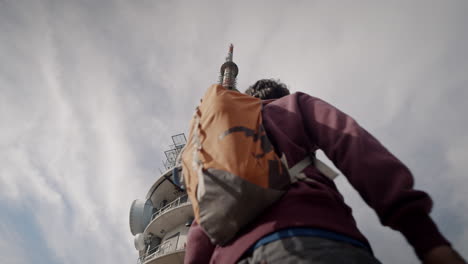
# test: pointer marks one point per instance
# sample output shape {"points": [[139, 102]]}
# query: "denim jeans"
{"points": [[309, 250]]}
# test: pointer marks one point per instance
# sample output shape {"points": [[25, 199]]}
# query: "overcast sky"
{"points": [[91, 91]]}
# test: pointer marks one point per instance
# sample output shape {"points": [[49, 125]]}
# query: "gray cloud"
{"points": [[11, 245]]}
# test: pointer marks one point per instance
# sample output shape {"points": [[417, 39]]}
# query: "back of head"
{"points": [[267, 89]]}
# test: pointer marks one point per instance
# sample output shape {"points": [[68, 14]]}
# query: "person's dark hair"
{"points": [[268, 89]]}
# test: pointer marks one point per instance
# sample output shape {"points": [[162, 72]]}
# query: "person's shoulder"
{"points": [[299, 97], [302, 97], [296, 100], [290, 96]]}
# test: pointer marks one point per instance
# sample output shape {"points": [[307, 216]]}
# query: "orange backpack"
{"points": [[230, 169]]}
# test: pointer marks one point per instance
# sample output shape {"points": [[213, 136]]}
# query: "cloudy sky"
{"points": [[91, 91]]}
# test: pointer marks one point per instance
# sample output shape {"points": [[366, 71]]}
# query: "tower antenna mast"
{"points": [[229, 71]]}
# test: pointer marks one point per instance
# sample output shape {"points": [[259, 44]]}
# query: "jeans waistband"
{"points": [[304, 231]]}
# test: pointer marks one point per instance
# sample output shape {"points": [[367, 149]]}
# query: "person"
{"points": [[311, 223]]}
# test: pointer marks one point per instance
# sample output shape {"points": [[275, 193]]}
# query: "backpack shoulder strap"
{"points": [[296, 171], [300, 166], [325, 169]]}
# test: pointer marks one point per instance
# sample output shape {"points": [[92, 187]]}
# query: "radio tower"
{"points": [[229, 71]]}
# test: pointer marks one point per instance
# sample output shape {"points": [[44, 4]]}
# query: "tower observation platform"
{"points": [[161, 221]]}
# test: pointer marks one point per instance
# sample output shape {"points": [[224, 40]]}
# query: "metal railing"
{"points": [[176, 203], [164, 248]]}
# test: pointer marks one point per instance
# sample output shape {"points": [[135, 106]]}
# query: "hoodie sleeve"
{"points": [[383, 181], [199, 247]]}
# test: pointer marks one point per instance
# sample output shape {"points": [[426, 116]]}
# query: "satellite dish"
{"points": [[140, 215], [139, 242]]}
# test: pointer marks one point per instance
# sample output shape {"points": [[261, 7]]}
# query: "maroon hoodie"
{"points": [[298, 125]]}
